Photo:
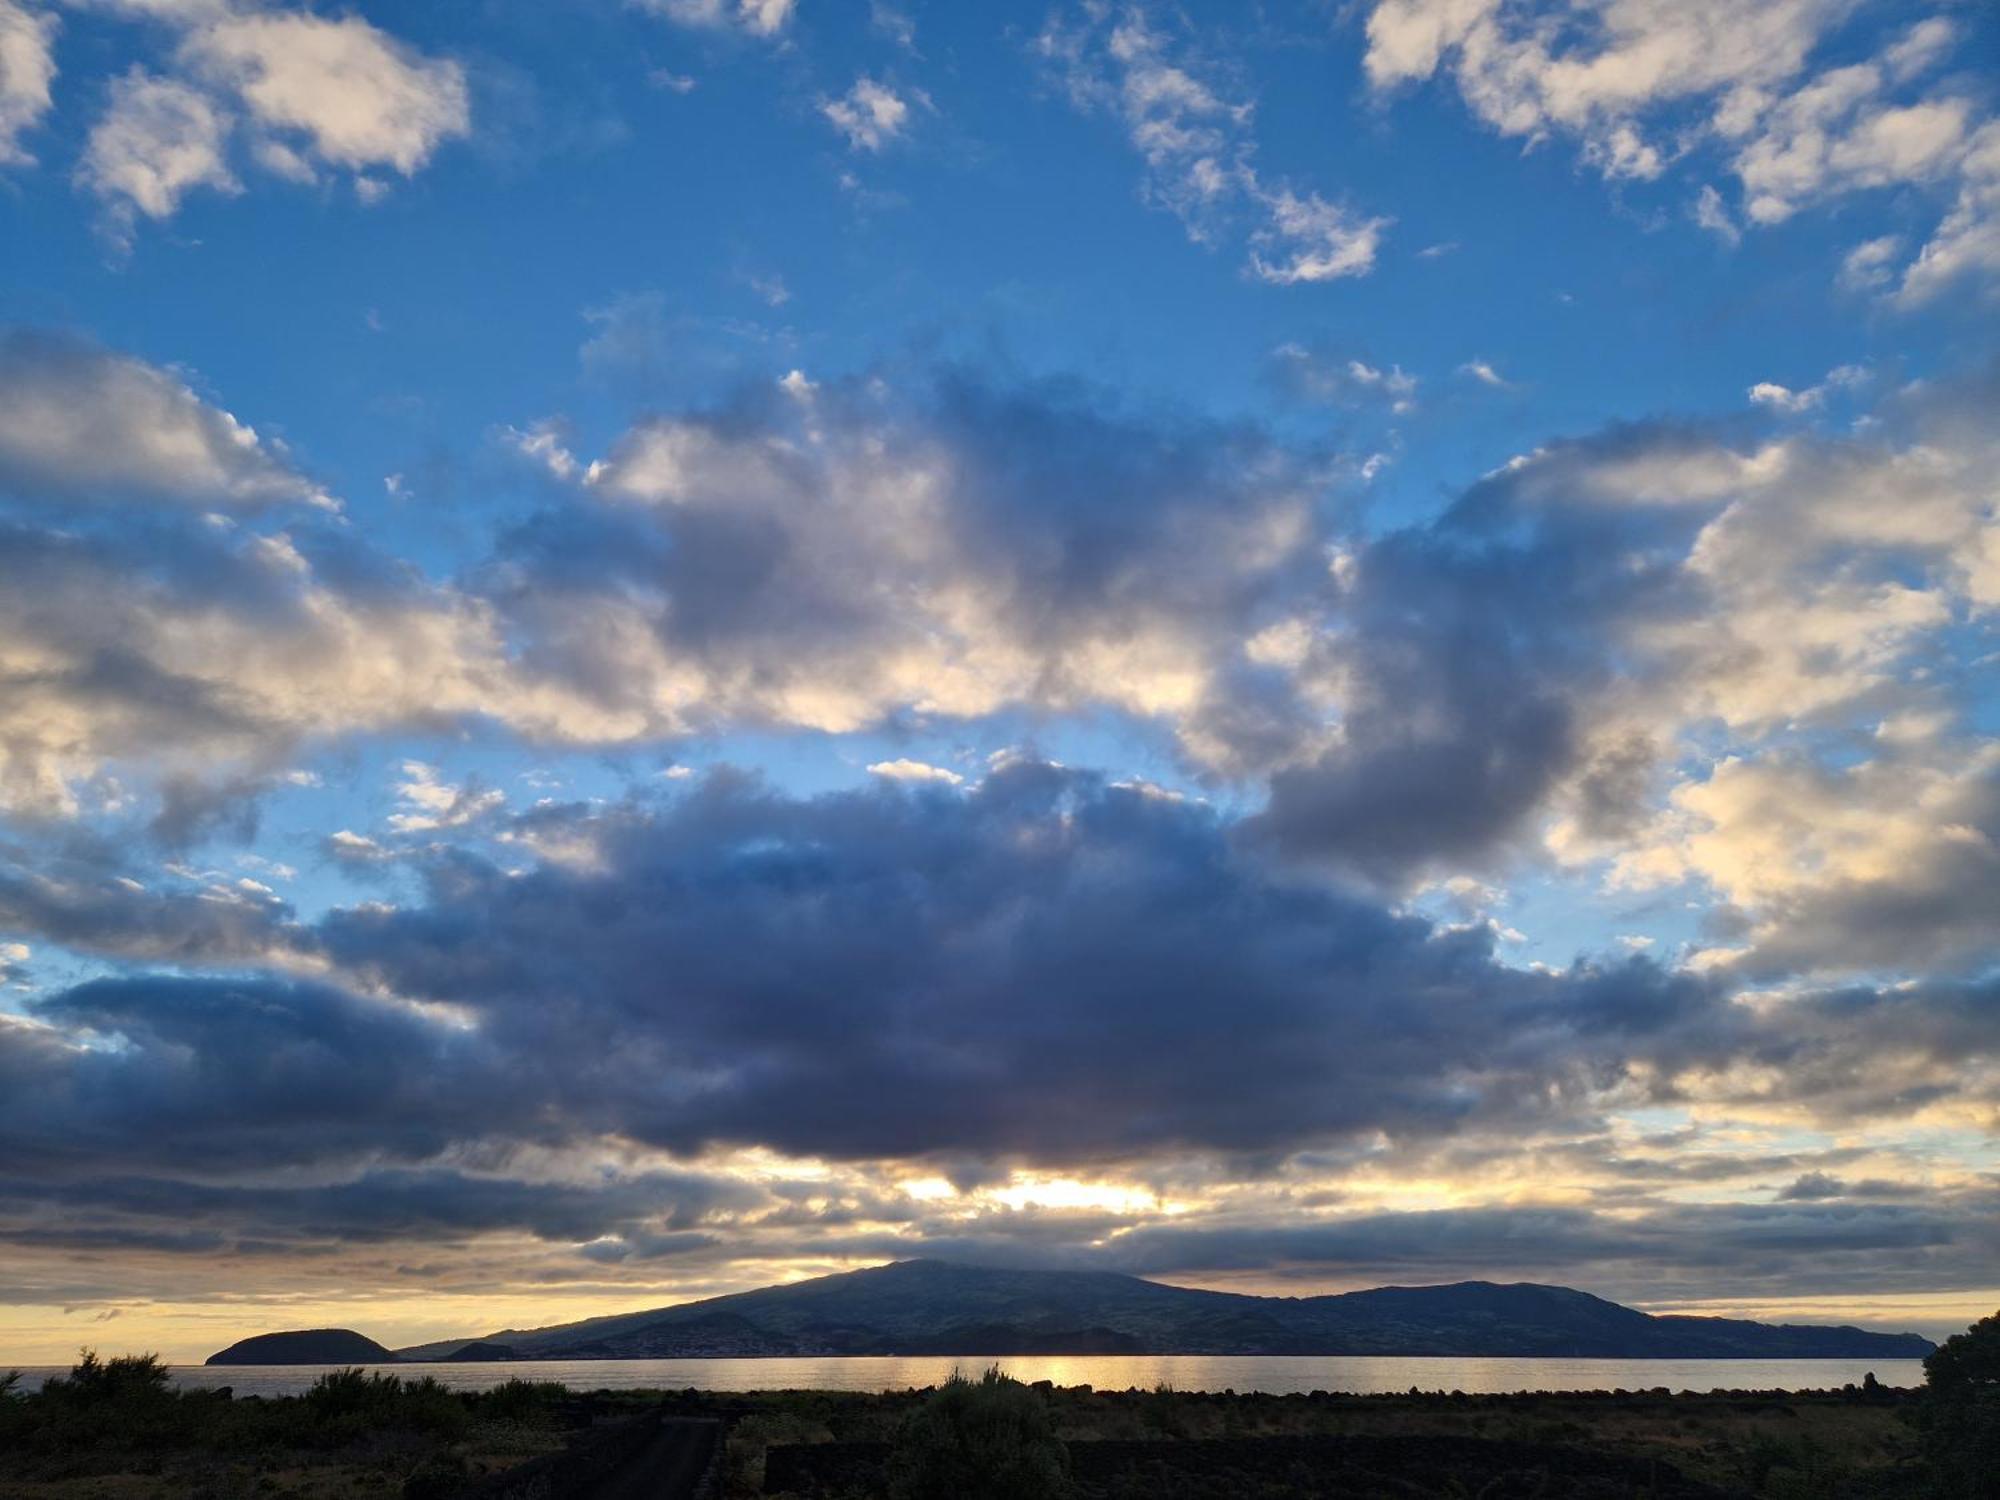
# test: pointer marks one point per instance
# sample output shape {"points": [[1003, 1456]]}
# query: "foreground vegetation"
{"points": [[117, 1428]]}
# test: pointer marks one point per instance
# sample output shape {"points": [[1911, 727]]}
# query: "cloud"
{"points": [[1198, 144], [1712, 214], [144, 621], [79, 424], [1310, 239], [870, 114], [1315, 373], [765, 18], [1640, 85], [872, 551], [1524, 668], [158, 139], [532, 1052], [915, 770], [351, 95], [27, 68], [296, 93], [1014, 933], [429, 803]]}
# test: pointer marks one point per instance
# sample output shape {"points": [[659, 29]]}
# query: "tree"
{"points": [[984, 1440], [1967, 1361], [1962, 1415]]}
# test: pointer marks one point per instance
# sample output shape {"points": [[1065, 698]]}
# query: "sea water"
{"points": [[1277, 1374]]}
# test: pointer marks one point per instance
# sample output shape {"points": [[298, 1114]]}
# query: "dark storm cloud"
{"points": [[1681, 1249], [1046, 968], [81, 901], [432, 1204], [1471, 652], [220, 1073], [1046, 965]]}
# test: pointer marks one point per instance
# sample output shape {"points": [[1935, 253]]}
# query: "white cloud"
{"points": [[1785, 399], [1196, 139], [27, 68], [430, 803], [1869, 264], [915, 770], [544, 444], [758, 17], [1713, 215], [159, 139], [870, 114], [1967, 240], [358, 97], [297, 93], [1313, 240], [1606, 71], [1484, 373]]}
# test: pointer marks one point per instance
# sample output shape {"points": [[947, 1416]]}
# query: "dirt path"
{"points": [[670, 1466]]}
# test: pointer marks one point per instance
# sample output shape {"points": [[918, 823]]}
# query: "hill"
{"points": [[933, 1307], [305, 1346]]}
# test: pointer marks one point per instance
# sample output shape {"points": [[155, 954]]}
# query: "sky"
{"points": [[654, 646]]}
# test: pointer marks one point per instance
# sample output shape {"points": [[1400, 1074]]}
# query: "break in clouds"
{"points": [[711, 1022]]}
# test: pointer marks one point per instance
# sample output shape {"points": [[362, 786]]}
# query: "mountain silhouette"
{"points": [[304, 1346], [936, 1307]]}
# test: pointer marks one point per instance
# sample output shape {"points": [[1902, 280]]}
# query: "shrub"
{"points": [[346, 1404], [99, 1382], [984, 1440]]}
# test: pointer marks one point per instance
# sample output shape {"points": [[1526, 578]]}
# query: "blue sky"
{"points": [[1488, 504]]}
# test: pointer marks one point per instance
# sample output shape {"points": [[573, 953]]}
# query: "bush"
{"points": [[127, 1378], [985, 1440], [346, 1404]]}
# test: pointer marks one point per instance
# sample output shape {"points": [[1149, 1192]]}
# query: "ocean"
{"points": [[1276, 1374]]}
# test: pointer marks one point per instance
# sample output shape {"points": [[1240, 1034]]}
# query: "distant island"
{"points": [[922, 1307], [304, 1346]]}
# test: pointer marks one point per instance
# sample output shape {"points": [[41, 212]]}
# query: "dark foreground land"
{"points": [[116, 1430]]}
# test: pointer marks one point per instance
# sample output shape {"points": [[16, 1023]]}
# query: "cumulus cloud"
{"points": [[295, 93], [80, 423], [142, 620], [869, 115], [1523, 670], [1640, 84], [158, 139], [828, 564], [348, 93]]}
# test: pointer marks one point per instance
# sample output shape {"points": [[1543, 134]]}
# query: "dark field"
{"points": [[117, 1431]]}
